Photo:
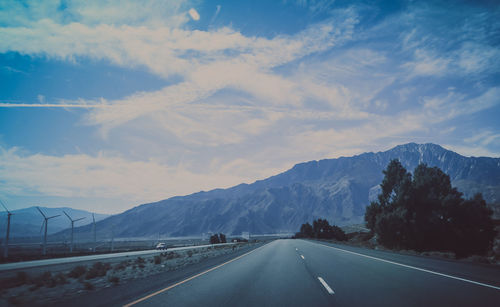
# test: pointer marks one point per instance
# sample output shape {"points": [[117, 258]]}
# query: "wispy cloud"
{"points": [[107, 176], [245, 106]]}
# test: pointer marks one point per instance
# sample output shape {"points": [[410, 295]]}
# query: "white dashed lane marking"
{"points": [[327, 287]]}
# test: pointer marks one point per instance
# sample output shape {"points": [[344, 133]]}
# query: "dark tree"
{"points": [[222, 238], [321, 229], [307, 230], [426, 213], [214, 239]]}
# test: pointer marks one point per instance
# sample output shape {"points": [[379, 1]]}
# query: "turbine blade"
{"points": [[42, 226], [79, 219], [1, 202], [51, 217], [41, 212], [67, 216]]}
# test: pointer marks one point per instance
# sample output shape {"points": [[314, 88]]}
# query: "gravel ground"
{"points": [[37, 288]]}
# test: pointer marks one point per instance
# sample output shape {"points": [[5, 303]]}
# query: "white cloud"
{"points": [[427, 64], [455, 104], [194, 14], [108, 176], [94, 12], [245, 107], [472, 151]]}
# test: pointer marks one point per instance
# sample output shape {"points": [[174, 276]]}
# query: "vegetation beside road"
{"points": [[218, 238], [321, 229], [27, 287], [423, 212]]}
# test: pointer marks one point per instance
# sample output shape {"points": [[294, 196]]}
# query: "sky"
{"points": [[105, 105]]}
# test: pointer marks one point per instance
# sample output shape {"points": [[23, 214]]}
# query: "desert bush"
{"points": [[120, 266], [20, 279], [45, 279], [157, 259], [190, 253], [88, 286], [77, 271], [60, 279], [114, 279], [14, 300], [172, 255], [98, 269]]}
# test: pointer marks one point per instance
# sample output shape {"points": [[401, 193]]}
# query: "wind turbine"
{"points": [[95, 236], [6, 248], [72, 226], [112, 237], [46, 220]]}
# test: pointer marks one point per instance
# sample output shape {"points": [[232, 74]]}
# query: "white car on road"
{"points": [[161, 246]]}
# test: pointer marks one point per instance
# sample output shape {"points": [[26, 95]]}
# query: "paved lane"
{"points": [[359, 280], [273, 275], [305, 273]]}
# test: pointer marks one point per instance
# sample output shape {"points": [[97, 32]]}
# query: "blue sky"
{"points": [[108, 104]]}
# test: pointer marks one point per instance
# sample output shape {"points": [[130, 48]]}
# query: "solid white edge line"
{"points": [[302, 257], [415, 268], [327, 287], [192, 277]]}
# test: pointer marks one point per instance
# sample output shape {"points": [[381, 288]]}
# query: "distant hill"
{"points": [[336, 189], [27, 222]]}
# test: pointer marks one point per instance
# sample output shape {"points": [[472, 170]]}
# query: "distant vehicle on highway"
{"points": [[161, 246]]}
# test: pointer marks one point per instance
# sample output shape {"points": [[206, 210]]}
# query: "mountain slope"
{"points": [[336, 189], [27, 222]]}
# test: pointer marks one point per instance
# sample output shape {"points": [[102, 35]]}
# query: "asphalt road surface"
{"points": [[308, 273]]}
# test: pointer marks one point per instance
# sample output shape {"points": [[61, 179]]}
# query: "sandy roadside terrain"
{"points": [[42, 288]]}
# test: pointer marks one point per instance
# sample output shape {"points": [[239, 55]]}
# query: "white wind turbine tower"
{"points": [[46, 220], [6, 248], [72, 227], [95, 236]]}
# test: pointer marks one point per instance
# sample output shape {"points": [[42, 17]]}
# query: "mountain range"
{"points": [[335, 189], [27, 222]]}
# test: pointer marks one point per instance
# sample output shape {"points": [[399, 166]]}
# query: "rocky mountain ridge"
{"points": [[335, 189]]}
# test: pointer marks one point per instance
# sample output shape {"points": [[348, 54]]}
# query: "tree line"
{"points": [[217, 238], [321, 229], [423, 212]]}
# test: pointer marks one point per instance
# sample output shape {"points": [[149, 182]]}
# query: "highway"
{"points": [[309, 273]]}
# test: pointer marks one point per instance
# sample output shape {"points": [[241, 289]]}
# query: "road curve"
{"points": [[307, 273]]}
